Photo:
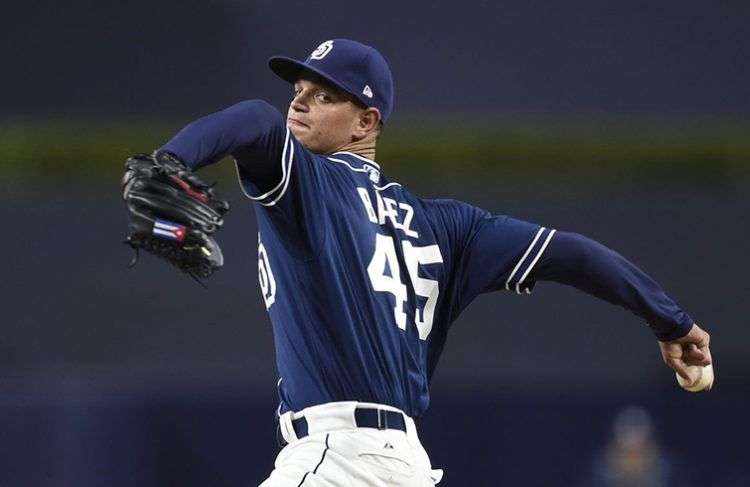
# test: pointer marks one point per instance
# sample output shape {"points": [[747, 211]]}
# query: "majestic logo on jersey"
{"points": [[367, 91], [321, 51], [373, 172], [265, 276]]}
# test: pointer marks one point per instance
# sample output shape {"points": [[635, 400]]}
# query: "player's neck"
{"points": [[361, 148]]}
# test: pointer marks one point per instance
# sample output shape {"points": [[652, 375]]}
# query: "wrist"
{"points": [[167, 157], [679, 330]]}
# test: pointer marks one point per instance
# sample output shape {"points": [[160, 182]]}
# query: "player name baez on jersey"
{"points": [[399, 214]]}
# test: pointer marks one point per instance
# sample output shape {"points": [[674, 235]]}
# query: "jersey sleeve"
{"points": [[502, 254], [248, 125], [585, 264], [494, 253]]}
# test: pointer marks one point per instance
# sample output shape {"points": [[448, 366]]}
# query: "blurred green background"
{"points": [[715, 147]]}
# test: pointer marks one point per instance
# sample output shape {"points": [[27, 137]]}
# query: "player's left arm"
{"points": [[583, 263], [276, 172]]}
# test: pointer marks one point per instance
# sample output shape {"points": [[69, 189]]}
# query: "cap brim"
{"points": [[290, 70]]}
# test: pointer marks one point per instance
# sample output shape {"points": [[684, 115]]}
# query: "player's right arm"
{"points": [[500, 252], [585, 264]]}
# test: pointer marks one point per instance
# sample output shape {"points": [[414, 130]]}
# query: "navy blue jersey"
{"points": [[361, 278]]}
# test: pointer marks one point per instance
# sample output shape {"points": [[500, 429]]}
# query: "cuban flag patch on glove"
{"points": [[169, 230]]}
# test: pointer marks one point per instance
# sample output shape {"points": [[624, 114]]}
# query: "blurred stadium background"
{"points": [[625, 121]]}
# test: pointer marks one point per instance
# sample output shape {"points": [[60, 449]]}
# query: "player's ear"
{"points": [[367, 122]]}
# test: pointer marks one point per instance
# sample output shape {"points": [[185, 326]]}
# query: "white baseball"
{"points": [[704, 381]]}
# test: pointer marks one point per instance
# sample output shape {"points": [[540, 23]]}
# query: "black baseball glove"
{"points": [[173, 213]]}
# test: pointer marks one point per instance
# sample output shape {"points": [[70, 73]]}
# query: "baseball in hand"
{"points": [[704, 381]]}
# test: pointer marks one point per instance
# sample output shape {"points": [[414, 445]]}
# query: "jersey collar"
{"points": [[358, 157]]}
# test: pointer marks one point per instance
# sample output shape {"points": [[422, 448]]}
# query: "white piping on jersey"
{"points": [[520, 261], [361, 169], [358, 169], [288, 178], [533, 262], [239, 178], [286, 170], [278, 387], [381, 188], [370, 161], [283, 172]]}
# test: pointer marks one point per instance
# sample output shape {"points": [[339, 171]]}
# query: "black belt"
{"points": [[382, 419]]}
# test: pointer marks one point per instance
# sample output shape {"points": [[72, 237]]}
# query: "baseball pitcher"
{"points": [[361, 278]]}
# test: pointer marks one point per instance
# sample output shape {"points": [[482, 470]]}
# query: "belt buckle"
{"points": [[382, 419]]}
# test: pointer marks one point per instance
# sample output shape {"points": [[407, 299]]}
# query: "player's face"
{"points": [[322, 117]]}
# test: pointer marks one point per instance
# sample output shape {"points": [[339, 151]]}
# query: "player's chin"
{"points": [[299, 131], [303, 137]]}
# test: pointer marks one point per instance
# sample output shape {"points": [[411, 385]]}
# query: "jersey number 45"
{"points": [[385, 252]]}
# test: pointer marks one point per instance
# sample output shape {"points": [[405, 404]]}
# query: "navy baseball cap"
{"points": [[358, 69]]}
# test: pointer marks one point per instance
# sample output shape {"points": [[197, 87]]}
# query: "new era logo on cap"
{"points": [[367, 91]]}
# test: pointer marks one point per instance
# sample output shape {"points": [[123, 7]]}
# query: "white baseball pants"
{"points": [[337, 453]]}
